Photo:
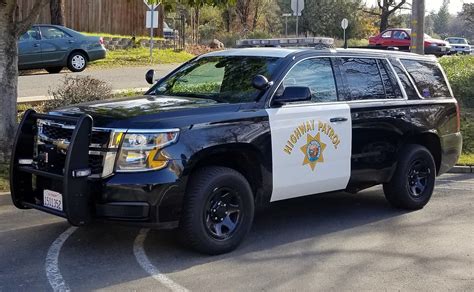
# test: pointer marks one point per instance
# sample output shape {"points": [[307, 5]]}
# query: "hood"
{"points": [[144, 112]]}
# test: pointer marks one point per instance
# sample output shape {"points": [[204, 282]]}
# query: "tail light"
{"points": [[458, 117], [101, 40]]}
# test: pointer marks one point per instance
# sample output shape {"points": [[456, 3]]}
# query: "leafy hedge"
{"points": [[460, 71]]}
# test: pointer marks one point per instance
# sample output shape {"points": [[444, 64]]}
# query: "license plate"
{"points": [[53, 200], [443, 49]]}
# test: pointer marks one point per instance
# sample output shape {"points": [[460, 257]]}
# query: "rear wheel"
{"points": [[77, 62], [413, 182], [218, 210], [54, 70]]}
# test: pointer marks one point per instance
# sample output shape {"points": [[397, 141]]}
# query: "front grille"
{"points": [[57, 132], [49, 133]]}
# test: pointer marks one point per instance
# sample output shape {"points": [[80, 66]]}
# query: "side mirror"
{"points": [[150, 76], [293, 94], [261, 82]]}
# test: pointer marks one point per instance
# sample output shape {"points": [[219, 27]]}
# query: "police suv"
{"points": [[232, 130]]}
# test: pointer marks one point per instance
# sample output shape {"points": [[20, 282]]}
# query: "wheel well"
{"points": [[80, 51], [246, 161], [431, 142]]}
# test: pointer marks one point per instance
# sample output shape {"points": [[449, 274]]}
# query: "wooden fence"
{"points": [[126, 17]]}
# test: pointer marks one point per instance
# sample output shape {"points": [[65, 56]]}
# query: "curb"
{"points": [[462, 169], [40, 98]]}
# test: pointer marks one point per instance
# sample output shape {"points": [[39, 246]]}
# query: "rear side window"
{"points": [[406, 83], [362, 78], [428, 78], [392, 89]]}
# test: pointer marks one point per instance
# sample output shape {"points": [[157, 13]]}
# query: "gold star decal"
{"points": [[313, 150]]}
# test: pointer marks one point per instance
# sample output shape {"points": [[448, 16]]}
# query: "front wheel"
{"points": [[413, 182], [77, 62], [218, 210]]}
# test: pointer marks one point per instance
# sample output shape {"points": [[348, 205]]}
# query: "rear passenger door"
{"points": [[378, 110], [311, 141]]}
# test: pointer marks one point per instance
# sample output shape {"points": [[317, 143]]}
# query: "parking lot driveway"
{"points": [[327, 242]]}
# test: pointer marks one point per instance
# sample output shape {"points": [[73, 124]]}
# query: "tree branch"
{"points": [[371, 12], [397, 6], [23, 25]]}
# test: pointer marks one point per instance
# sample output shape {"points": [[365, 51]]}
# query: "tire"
{"points": [[413, 182], [77, 62], [54, 70], [218, 210]]}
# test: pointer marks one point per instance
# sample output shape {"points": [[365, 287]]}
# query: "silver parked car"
{"points": [[54, 47], [459, 45]]}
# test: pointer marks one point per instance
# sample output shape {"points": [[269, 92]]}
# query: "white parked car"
{"points": [[459, 45]]}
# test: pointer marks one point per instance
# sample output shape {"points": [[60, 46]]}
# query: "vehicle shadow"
{"points": [[282, 223]]}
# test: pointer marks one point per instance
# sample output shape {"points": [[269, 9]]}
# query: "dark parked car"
{"points": [[234, 129], [54, 47], [400, 38]]}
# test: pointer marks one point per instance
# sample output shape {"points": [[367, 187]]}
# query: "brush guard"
{"points": [[76, 199]]}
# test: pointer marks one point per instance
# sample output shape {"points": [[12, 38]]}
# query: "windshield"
{"points": [[221, 78], [457, 41]]}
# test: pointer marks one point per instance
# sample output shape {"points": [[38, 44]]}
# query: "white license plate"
{"points": [[53, 200], [443, 49]]}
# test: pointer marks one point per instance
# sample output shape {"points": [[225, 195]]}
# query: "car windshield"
{"points": [[225, 79], [457, 41]]}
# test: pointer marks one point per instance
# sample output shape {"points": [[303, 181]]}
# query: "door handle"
{"points": [[71, 41], [36, 45], [399, 115], [338, 119]]}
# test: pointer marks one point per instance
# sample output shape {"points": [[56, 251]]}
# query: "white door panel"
{"points": [[310, 154]]}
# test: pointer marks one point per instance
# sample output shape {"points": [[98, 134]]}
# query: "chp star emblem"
{"points": [[313, 150]]}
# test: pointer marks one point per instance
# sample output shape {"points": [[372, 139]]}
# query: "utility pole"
{"points": [[418, 27]]}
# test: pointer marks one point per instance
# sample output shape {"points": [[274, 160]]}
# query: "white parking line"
{"points": [[145, 263], [55, 278]]}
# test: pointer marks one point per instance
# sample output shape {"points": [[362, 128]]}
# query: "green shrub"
{"points": [[257, 34], [460, 72], [76, 90]]}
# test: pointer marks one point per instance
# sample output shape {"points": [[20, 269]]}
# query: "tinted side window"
{"points": [[317, 74], [428, 78], [362, 78], [407, 85], [392, 89]]}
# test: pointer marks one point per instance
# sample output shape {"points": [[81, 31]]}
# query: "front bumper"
{"points": [[148, 198], [437, 51]]}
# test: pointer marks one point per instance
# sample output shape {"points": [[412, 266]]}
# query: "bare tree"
{"points": [[57, 8], [11, 27], [385, 9], [242, 8]]}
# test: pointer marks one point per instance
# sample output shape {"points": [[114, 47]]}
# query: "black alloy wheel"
{"points": [[413, 182]]}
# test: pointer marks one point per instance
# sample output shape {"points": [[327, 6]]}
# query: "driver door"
{"points": [[311, 140]]}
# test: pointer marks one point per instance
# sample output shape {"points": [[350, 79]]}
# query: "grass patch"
{"points": [[466, 159], [4, 181], [140, 57]]}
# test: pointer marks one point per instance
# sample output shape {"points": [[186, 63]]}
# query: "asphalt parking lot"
{"points": [[329, 242]]}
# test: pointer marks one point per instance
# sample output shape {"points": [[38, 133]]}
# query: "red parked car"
{"points": [[400, 37]]}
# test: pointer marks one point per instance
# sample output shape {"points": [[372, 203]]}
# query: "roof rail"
{"points": [[318, 42]]}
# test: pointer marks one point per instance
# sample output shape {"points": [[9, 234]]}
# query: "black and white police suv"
{"points": [[232, 130]]}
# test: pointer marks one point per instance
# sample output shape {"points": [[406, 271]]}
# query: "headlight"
{"points": [[143, 151]]}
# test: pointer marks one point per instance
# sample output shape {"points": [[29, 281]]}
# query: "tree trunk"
{"points": [[384, 20], [8, 84], [161, 19], [196, 18], [57, 11]]}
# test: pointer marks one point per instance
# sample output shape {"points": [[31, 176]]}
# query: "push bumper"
{"points": [[148, 198]]}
